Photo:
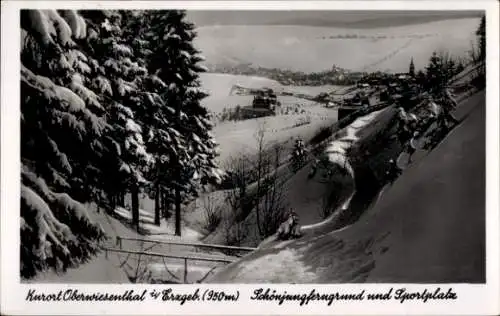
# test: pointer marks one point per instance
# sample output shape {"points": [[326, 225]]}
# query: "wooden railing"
{"points": [[145, 251], [119, 240], [225, 260], [157, 254]]}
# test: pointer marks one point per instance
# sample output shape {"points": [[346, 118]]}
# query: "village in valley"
{"points": [[192, 152]]}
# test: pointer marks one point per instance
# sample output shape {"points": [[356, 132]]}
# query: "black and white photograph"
{"points": [[195, 146]]}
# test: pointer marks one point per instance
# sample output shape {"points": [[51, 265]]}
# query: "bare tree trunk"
{"points": [[177, 211], [112, 201], [135, 205], [121, 198], [177, 177], [157, 203], [160, 201], [273, 207], [260, 157], [165, 204]]}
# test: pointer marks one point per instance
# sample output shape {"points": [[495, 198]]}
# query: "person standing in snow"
{"points": [[298, 157], [290, 228], [314, 168], [412, 122], [403, 128], [434, 108], [393, 171], [402, 115], [412, 146], [295, 231], [451, 97], [299, 145]]}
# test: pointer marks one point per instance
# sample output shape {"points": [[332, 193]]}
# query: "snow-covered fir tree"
{"points": [[108, 104], [62, 128], [155, 113], [190, 149], [118, 78]]}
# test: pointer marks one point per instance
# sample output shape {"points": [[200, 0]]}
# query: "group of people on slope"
{"points": [[440, 107]]}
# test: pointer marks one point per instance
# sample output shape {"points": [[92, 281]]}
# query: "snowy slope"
{"points": [[427, 228], [306, 194]]}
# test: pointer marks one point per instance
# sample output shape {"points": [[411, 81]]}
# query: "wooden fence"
{"points": [[185, 257], [120, 239]]}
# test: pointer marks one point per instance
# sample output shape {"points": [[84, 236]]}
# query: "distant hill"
{"points": [[348, 19], [315, 49]]}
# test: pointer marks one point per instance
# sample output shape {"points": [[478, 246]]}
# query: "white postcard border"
{"points": [[472, 299]]}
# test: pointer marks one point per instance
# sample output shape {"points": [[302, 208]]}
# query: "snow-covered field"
{"points": [[313, 90], [219, 87], [238, 137], [311, 48]]}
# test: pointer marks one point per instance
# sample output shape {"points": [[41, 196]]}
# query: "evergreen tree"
{"points": [[191, 150], [460, 66], [411, 71], [478, 55], [435, 76], [62, 129], [450, 68], [118, 78], [156, 114], [481, 39], [108, 104]]}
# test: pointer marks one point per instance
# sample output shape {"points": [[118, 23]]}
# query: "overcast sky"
{"points": [[359, 19]]}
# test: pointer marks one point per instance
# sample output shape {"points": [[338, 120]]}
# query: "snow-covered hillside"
{"points": [[414, 233]]}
